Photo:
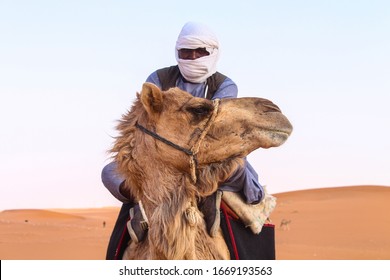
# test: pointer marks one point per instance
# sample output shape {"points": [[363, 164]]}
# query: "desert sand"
{"points": [[327, 224]]}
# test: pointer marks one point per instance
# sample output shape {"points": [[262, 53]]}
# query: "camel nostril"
{"points": [[271, 107], [266, 105]]}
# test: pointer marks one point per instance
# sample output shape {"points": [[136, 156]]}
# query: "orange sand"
{"points": [[330, 223]]}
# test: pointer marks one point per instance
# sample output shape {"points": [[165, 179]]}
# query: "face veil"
{"points": [[193, 36]]}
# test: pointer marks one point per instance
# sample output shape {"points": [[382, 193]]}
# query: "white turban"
{"points": [[192, 36]]}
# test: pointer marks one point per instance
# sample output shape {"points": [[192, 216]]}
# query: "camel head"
{"points": [[173, 149], [219, 134]]}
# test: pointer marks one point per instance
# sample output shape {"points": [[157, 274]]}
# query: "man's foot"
{"points": [[138, 223], [210, 206]]}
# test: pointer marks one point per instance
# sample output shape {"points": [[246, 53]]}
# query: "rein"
{"points": [[158, 137], [195, 148]]}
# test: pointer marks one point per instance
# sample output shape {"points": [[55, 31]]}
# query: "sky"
{"points": [[70, 69]]}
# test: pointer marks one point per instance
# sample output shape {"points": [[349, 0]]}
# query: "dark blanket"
{"points": [[242, 243]]}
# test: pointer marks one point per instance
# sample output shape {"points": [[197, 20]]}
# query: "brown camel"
{"points": [[174, 149]]}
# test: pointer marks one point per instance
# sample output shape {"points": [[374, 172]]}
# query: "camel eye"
{"points": [[200, 111]]}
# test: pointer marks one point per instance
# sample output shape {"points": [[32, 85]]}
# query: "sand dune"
{"points": [[329, 223], [59, 234], [35, 215], [334, 223]]}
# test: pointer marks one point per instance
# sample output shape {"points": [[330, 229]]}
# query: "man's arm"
{"points": [[245, 180], [228, 89], [153, 78]]}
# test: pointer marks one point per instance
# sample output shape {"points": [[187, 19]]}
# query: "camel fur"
{"points": [[160, 175]]}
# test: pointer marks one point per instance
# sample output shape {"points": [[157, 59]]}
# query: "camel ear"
{"points": [[152, 98]]}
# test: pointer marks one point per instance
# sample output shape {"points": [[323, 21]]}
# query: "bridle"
{"points": [[193, 151]]}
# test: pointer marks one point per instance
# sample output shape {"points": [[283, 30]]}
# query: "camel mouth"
{"points": [[276, 137], [280, 136], [283, 134], [283, 130], [279, 129], [286, 131]]}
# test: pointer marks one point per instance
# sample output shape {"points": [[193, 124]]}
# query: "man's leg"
{"points": [[119, 236]]}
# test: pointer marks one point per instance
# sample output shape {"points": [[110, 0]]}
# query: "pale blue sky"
{"points": [[69, 69]]}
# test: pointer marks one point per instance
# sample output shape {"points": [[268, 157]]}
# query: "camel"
{"points": [[285, 224], [174, 149]]}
